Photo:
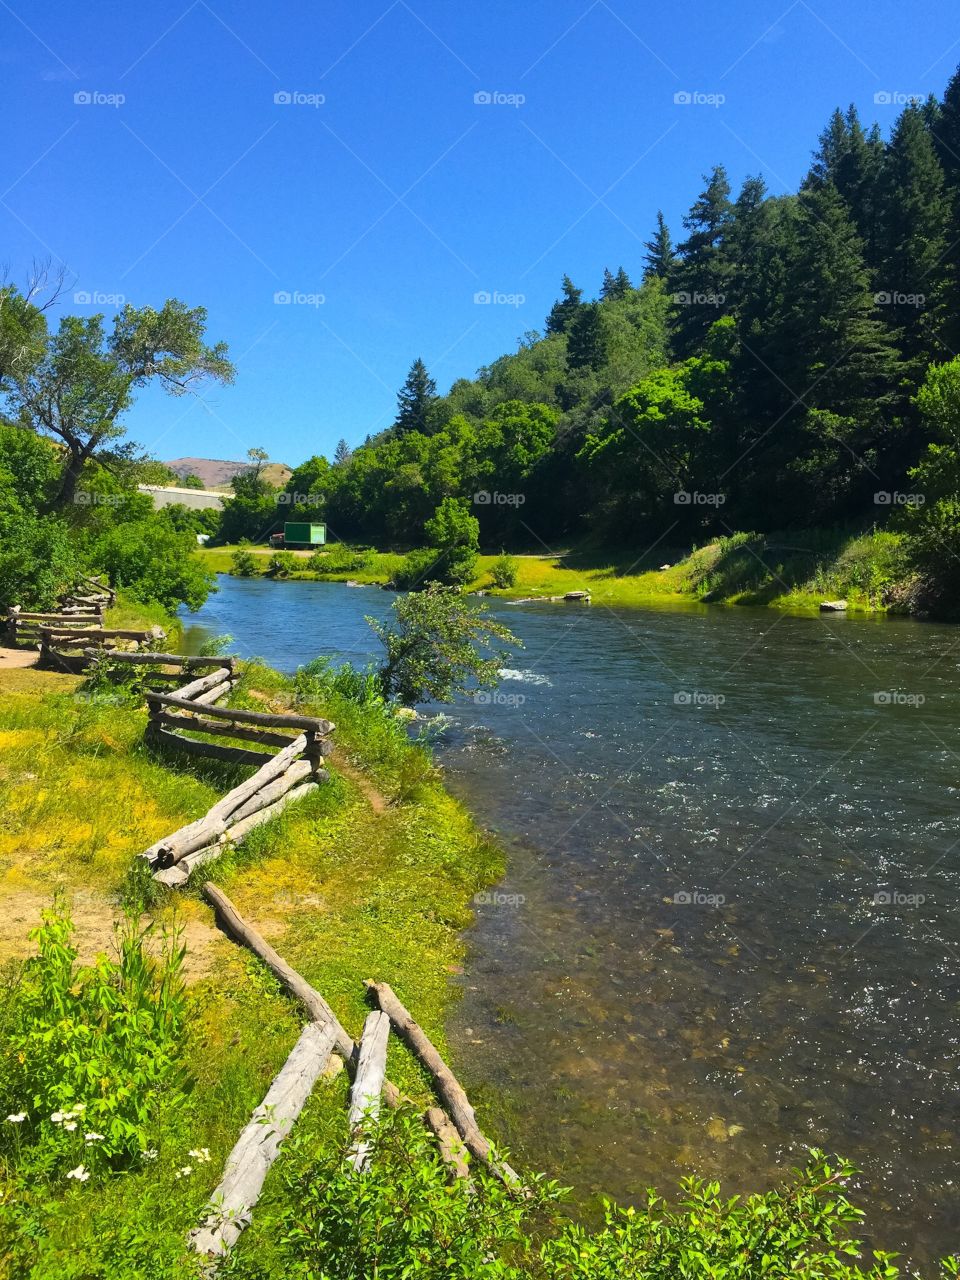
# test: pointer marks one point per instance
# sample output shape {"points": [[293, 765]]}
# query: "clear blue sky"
{"points": [[400, 197]]}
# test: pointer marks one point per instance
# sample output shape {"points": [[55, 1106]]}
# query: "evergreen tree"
{"points": [[587, 348], [416, 401], [852, 160], [564, 311], [615, 287], [701, 279], [946, 135], [342, 453], [915, 229], [659, 260]]}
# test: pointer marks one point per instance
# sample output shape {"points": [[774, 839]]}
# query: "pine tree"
{"points": [[587, 348], [659, 260], [701, 278], [946, 135], [342, 454], [564, 311], [616, 286], [852, 160], [916, 229], [416, 400]]}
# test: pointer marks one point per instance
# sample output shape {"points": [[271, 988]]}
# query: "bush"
{"points": [[504, 571], [340, 558], [154, 563], [417, 569], [281, 564], [91, 1054], [243, 564], [38, 561]]}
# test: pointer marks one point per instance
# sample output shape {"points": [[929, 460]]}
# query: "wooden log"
{"points": [[170, 660], [212, 750], [449, 1089], [99, 633], [57, 616], [269, 720], [208, 828], [203, 683], [221, 729], [232, 923], [451, 1144], [214, 695], [298, 772], [248, 1164], [177, 875], [367, 1085]]}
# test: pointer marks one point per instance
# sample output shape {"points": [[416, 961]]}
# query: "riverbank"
{"points": [[372, 876], [794, 572]]}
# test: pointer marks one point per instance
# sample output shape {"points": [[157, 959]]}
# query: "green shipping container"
{"points": [[298, 533]]}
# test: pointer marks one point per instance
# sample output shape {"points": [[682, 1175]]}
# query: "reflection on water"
{"points": [[729, 928]]}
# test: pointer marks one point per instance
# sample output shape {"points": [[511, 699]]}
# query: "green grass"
{"points": [[794, 571], [371, 877]]}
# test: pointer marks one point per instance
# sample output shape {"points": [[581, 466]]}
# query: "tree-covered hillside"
{"points": [[760, 372]]}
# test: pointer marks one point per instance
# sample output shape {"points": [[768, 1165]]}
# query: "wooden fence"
{"points": [[454, 1124]]}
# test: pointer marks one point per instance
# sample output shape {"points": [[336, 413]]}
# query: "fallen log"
{"points": [[97, 633], [298, 772], [449, 1141], [233, 924], [248, 1164], [177, 875], [368, 1084], [269, 720], [221, 729], [449, 1089]]}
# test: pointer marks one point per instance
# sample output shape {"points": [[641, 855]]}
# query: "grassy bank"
{"points": [[793, 571], [370, 877]]}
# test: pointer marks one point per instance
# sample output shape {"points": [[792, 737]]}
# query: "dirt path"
{"points": [[15, 659]]}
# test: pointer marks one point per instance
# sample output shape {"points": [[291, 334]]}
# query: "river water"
{"points": [[729, 927]]}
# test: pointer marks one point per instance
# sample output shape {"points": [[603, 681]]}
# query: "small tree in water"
{"points": [[439, 645]]}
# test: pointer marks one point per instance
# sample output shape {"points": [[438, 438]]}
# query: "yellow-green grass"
{"points": [[786, 571]]}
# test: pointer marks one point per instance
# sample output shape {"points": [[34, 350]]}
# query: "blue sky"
{"points": [[382, 187]]}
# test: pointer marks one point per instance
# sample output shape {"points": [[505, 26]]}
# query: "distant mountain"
{"points": [[216, 473]]}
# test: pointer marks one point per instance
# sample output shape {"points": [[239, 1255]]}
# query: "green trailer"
{"points": [[300, 535]]}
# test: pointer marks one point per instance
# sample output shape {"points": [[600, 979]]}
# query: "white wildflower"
{"points": [[202, 1154], [185, 1172], [70, 1125], [93, 1137], [80, 1173], [57, 1117], [18, 1117], [78, 1108], [150, 1153]]}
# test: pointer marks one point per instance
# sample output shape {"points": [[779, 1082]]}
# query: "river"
{"points": [[729, 927]]}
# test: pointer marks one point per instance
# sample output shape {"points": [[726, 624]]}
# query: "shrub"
{"points": [[92, 1050], [154, 563], [340, 558], [281, 564], [436, 646], [504, 571], [243, 564]]}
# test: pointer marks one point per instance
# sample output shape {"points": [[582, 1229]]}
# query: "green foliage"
{"points": [[403, 1218], [339, 558], [92, 1050], [504, 571], [243, 564], [281, 564], [437, 644], [154, 563]]}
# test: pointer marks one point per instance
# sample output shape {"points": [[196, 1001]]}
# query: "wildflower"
{"points": [[70, 1125], [18, 1117], [57, 1117], [202, 1155], [93, 1137], [78, 1108], [150, 1153], [185, 1172], [80, 1173]]}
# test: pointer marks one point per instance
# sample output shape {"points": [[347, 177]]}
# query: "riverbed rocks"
{"points": [[833, 606]]}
